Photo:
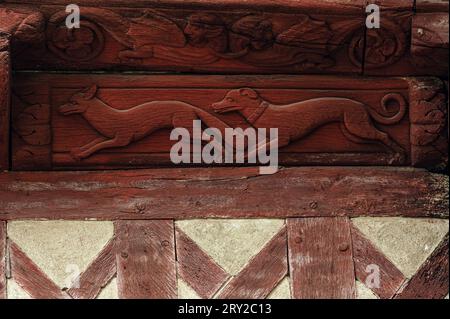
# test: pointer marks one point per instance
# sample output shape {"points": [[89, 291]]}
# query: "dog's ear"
{"points": [[249, 92], [90, 93]]}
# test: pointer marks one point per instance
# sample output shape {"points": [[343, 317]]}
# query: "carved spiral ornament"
{"points": [[76, 44]]}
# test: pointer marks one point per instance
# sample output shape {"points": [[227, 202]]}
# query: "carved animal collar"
{"points": [[258, 112]]}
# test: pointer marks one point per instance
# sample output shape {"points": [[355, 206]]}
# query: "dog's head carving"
{"points": [[236, 100], [79, 102]]}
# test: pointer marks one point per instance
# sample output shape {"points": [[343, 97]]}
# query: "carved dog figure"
{"points": [[297, 120], [122, 127]]}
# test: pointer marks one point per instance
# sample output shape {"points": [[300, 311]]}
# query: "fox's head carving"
{"points": [[79, 102]]}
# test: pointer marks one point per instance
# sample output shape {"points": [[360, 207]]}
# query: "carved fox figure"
{"points": [[120, 128], [295, 121]]}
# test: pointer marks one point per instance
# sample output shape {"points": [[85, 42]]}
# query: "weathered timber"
{"points": [[223, 193]]}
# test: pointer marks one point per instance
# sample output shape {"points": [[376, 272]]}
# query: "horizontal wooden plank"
{"points": [[337, 5], [226, 192], [432, 5], [320, 120], [432, 279], [31, 278], [230, 37]]}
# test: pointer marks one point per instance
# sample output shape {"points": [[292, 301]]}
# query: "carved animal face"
{"points": [[206, 30], [79, 102], [236, 100]]}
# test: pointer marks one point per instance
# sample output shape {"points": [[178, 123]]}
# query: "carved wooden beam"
{"points": [[231, 37], [429, 44], [52, 128], [5, 67], [241, 37], [18, 27], [223, 193]]}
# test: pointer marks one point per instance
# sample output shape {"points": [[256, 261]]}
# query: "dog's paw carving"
{"points": [[77, 154]]}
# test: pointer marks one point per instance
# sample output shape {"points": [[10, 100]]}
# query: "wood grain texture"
{"points": [[202, 36], [3, 260], [371, 265], [432, 279], [429, 123], [30, 277], [145, 257], [304, 37], [5, 67], [429, 44], [320, 258], [320, 120], [263, 272], [224, 193], [432, 5], [197, 268], [97, 275]]}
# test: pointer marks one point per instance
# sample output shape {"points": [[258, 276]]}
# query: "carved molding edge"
{"points": [[17, 26], [429, 123], [429, 43]]}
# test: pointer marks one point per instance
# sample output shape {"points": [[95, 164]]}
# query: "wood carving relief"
{"points": [[241, 40], [203, 39], [298, 119], [429, 123], [127, 120], [18, 28], [31, 132]]}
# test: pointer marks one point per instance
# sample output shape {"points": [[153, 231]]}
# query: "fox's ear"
{"points": [[90, 93], [248, 92]]}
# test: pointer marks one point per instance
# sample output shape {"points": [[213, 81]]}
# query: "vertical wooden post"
{"points": [[320, 258], [4, 101], [145, 257], [2, 260]]}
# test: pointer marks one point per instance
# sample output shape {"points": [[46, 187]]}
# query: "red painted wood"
{"points": [[429, 43], [320, 258], [98, 274], [263, 272], [205, 36], [30, 277], [4, 101], [3, 260], [236, 193], [145, 259], [97, 137], [197, 268], [369, 262], [432, 5], [432, 279]]}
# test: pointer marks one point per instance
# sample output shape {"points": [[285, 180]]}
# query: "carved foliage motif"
{"points": [[204, 38], [31, 133], [388, 44], [22, 25], [428, 118]]}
